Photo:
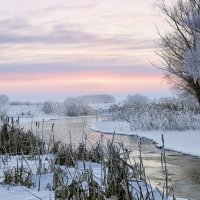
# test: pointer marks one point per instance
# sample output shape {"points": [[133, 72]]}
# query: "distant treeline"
{"points": [[16, 103], [89, 99], [76, 106]]}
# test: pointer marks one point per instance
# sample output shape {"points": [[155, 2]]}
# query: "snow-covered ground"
{"points": [[17, 192], [186, 142], [28, 113]]}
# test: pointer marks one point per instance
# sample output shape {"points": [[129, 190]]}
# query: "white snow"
{"points": [[29, 113], [186, 142], [17, 192]]}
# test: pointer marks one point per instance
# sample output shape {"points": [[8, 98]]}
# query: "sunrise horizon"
{"points": [[53, 50]]}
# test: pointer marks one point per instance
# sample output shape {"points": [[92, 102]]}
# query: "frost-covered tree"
{"points": [[180, 46], [74, 107], [50, 107], [4, 102]]}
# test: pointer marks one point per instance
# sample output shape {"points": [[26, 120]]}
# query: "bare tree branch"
{"points": [[179, 49]]}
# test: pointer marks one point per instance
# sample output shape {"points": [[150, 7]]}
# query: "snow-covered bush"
{"points": [[50, 107], [70, 107], [4, 103], [74, 107], [163, 114]]}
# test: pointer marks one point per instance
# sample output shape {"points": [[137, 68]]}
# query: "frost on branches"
{"points": [[162, 114], [180, 46], [192, 60]]}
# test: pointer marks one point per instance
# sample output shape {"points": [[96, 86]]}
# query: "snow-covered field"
{"points": [[17, 192], [186, 142], [28, 113]]}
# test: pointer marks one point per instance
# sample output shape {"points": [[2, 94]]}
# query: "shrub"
{"points": [[74, 107], [15, 141], [50, 107]]}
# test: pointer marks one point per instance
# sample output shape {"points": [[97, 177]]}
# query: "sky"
{"points": [[52, 49]]}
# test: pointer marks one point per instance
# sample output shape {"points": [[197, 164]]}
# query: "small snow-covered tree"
{"points": [[4, 102], [180, 47], [74, 107], [50, 107]]}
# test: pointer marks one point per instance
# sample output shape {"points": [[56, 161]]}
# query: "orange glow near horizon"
{"points": [[85, 82]]}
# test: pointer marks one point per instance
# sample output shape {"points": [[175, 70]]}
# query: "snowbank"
{"points": [[186, 142]]}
